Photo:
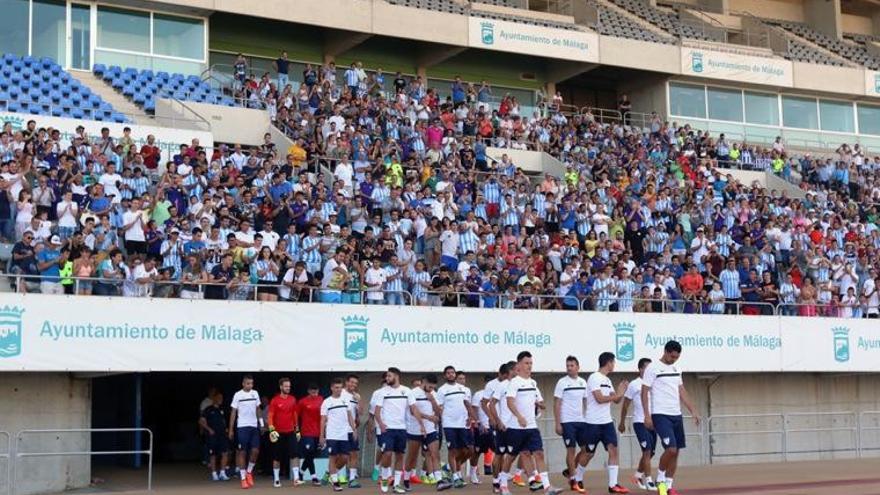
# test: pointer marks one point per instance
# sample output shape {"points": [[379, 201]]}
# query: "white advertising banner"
{"points": [[516, 37], [831, 344], [167, 139], [872, 83], [55, 333], [736, 67]]}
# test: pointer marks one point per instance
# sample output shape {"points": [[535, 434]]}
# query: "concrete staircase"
{"points": [[111, 96]]}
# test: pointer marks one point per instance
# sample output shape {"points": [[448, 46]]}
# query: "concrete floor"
{"points": [[859, 477]]}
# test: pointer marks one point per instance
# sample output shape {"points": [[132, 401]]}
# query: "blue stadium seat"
{"points": [[17, 65], [55, 96], [150, 105], [99, 69], [77, 113], [119, 118], [28, 61], [13, 106], [57, 111]]}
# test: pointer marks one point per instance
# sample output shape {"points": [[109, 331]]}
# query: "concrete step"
{"points": [[120, 103]]}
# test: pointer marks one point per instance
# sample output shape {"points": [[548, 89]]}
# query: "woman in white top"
{"points": [[24, 213]]}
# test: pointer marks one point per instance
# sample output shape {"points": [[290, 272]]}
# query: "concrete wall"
{"points": [[245, 126], [529, 161], [857, 24], [787, 10], [625, 52], [827, 78], [47, 401]]}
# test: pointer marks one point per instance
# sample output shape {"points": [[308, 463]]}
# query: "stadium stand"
{"points": [[143, 87], [370, 190], [612, 23], [847, 49], [668, 21], [41, 87]]}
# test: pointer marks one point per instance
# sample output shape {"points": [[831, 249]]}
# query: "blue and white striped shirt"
{"points": [[172, 257], [418, 290], [269, 276], [395, 285], [510, 214], [313, 256], [626, 289], [730, 283], [604, 299], [492, 192], [293, 245], [467, 241]]}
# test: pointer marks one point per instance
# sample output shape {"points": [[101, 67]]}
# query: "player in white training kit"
{"points": [[662, 394], [421, 431], [457, 418], [522, 435], [483, 441], [350, 394], [569, 409], [491, 404], [647, 438], [244, 425], [337, 428], [600, 425], [390, 414]]}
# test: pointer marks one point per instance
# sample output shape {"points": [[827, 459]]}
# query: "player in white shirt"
{"points": [[372, 427], [568, 409], [663, 393], [456, 418], [421, 430], [647, 439], [390, 415], [483, 442], [244, 424], [523, 437], [490, 404], [350, 394], [600, 424], [337, 426]]}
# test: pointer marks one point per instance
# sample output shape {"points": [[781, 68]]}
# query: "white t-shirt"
{"points": [[68, 219], [246, 403], [598, 414], [136, 232], [335, 409], [481, 415], [352, 401], [455, 399], [375, 399], [571, 391], [394, 406], [634, 393], [873, 299], [375, 276], [109, 182], [419, 398], [664, 381], [500, 394], [527, 396]]}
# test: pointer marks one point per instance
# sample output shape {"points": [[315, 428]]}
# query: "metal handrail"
{"points": [[148, 452], [8, 456]]}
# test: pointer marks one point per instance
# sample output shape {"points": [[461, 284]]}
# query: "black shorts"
{"points": [[528, 440], [354, 444], [287, 447], [574, 434], [135, 247], [484, 442], [267, 287], [217, 444], [604, 434]]}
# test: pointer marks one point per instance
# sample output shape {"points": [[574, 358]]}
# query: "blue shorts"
{"points": [[217, 444], [499, 437], [604, 434], [449, 262], [392, 441], [484, 442], [338, 447], [308, 446], [248, 437], [354, 444], [670, 431], [647, 438], [424, 440], [458, 438], [574, 434], [523, 441]]}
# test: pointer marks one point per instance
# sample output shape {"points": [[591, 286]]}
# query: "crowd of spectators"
{"points": [[392, 197]]}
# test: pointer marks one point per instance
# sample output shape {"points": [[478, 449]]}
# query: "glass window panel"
{"points": [[50, 26], [837, 116], [725, 104], [800, 113], [687, 101], [762, 108], [13, 27], [178, 36], [120, 29], [80, 38], [869, 119]]}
